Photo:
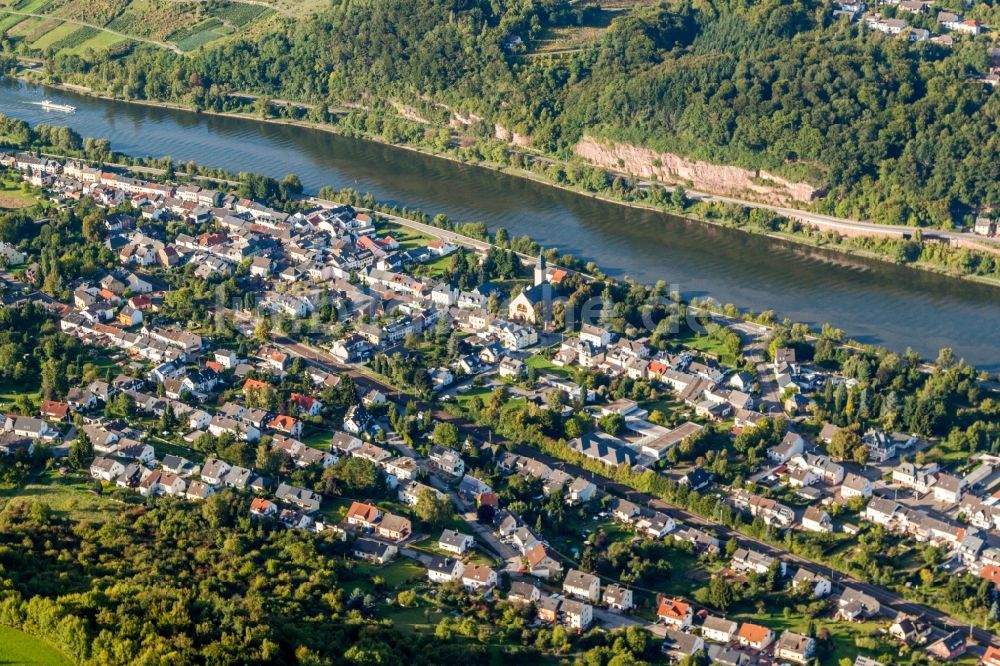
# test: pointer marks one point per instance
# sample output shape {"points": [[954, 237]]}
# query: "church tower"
{"points": [[540, 269]]}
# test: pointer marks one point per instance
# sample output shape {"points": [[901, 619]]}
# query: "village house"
{"points": [[754, 636], [479, 578], [949, 488], [820, 585], [768, 510], [655, 526], [794, 647], [816, 519], [451, 541], [262, 508], [618, 597], [678, 645], [580, 491], [447, 461], [674, 613], [718, 629], [444, 569], [881, 511], [856, 605], [950, 647], [576, 614], [523, 593], [373, 551], [106, 469], [363, 515], [746, 560], [394, 528], [790, 446], [302, 498], [910, 629], [855, 485], [541, 562], [582, 585]]}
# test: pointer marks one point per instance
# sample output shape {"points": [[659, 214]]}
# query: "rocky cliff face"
{"points": [[669, 168], [504, 134]]}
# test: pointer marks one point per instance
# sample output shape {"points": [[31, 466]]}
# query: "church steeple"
{"points": [[540, 269]]}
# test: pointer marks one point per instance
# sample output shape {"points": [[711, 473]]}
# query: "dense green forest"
{"points": [[171, 585], [893, 131]]}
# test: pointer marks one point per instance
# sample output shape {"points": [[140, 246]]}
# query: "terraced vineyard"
{"points": [[74, 27]]}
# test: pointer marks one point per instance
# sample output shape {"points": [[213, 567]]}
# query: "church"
{"points": [[524, 306]]}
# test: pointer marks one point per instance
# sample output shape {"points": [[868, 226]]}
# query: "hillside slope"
{"points": [[877, 126]]}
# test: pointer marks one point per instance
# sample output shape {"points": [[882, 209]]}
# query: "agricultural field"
{"points": [[73, 27], [58, 33], [573, 38], [96, 41], [17, 647]]}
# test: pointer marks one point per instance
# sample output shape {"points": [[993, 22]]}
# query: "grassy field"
{"points": [[9, 393], [59, 32], [67, 496], [17, 648], [707, 345], [11, 196]]}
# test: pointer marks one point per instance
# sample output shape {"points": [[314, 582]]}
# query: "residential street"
{"points": [[482, 436]]}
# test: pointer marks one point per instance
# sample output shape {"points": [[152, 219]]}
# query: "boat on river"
{"points": [[49, 105]]}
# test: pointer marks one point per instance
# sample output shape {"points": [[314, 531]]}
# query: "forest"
{"points": [[167, 584], [890, 131]]}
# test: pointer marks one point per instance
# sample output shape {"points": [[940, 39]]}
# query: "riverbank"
{"points": [[807, 237]]}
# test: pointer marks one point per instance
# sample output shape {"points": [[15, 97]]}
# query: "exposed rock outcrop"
{"points": [[504, 134], [669, 168]]}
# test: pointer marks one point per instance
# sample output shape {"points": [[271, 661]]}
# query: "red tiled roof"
{"points": [[283, 422], [991, 573], [56, 409], [363, 511], [673, 609], [752, 633], [254, 384], [302, 401]]}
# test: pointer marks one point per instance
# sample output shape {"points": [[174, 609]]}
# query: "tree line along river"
{"points": [[871, 301]]}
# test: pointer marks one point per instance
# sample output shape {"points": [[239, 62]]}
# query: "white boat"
{"points": [[49, 105]]}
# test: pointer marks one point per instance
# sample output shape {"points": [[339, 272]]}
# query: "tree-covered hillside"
{"points": [[893, 131]]}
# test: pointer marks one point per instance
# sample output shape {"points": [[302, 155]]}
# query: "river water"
{"points": [[870, 300]]}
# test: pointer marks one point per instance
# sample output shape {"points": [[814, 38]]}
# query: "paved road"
{"points": [[482, 435]]}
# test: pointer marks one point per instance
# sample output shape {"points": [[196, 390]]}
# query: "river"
{"points": [[870, 300]]}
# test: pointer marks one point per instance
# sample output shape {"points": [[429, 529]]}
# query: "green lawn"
{"points": [[542, 364], [413, 618], [438, 267], [316, 437], [17, 647], [843, 634], [400, 571], [465, 396], [163, 447], [707, 345], [407, 238]]}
